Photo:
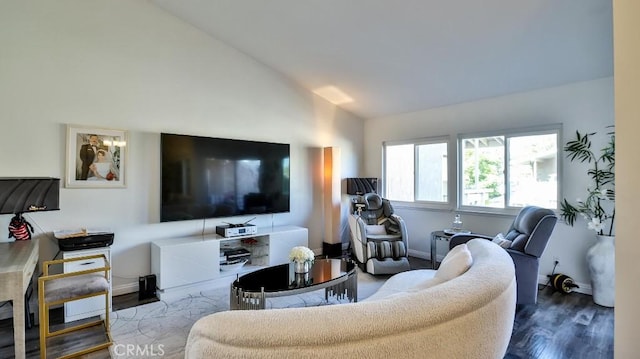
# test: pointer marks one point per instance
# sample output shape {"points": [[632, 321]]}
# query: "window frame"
{"points": [[445, 139], [507, 134]]}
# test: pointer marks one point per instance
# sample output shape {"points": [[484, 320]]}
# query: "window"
{"points": [[511, 170], [416, 171]]}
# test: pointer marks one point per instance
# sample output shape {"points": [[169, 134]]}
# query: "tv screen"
{"points": [[204, 177]]}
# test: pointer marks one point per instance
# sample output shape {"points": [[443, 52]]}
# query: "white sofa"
{"points": [[469, 316]]}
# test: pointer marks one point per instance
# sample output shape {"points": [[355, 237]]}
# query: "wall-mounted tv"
{"points": [[205, 177]]}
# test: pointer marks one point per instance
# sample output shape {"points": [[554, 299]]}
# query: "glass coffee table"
{"points": [[338, 278]]}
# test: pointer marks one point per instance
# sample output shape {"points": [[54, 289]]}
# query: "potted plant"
{"points": [[598, 209]]}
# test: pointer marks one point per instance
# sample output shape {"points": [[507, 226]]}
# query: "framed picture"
{"points": [[96, 158]]}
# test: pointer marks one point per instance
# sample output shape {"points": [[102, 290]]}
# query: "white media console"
{"points": [[190, 263]]}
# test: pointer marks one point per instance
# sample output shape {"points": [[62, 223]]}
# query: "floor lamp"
{"points": [[332, 243]]}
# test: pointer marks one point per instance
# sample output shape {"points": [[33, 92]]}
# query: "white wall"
{"points": [[130, 65], [626, 29], [584, 106]]}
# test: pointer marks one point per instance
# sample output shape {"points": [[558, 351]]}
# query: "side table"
{"points": [[440, 236], [437, 236]]}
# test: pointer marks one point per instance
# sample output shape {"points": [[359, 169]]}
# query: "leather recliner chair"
{"points": [[529, 233], [379, 237]]}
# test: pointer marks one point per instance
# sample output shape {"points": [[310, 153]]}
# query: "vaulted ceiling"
{"points": [[396, 56]]}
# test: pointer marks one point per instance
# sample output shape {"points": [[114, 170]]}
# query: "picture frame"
{"points": [[96, 157]]}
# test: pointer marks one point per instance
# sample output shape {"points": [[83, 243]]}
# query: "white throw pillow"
{"points": [[376, 229], [501, 241], [454, 251], [454, 263]]}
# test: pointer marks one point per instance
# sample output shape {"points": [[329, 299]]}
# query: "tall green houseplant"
{"points": [[598, 209]]}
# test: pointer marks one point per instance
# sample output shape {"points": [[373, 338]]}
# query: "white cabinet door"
{"points": [[281, 242], [185, 262], [89, 307]]}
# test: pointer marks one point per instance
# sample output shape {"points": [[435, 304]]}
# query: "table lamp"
{"points": [[25, 195]]}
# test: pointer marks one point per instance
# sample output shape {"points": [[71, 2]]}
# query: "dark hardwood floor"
{"points": [[559, 326], [562, 326]]}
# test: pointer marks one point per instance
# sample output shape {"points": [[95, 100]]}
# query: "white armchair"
{"points": [[379, 237]]}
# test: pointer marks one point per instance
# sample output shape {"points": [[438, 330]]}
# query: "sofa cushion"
{"points": [[455, 263], [74, 286]]}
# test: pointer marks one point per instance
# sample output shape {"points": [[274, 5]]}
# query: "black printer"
{"points": [[83, 239]]}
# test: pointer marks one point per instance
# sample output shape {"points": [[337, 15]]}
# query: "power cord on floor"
{"points": [[553, 271]]}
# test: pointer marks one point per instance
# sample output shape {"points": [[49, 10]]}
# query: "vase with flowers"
{"points": [[598, 210], [302, 258]]}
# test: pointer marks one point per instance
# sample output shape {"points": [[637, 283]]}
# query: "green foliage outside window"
{"points": [[489, 171]]}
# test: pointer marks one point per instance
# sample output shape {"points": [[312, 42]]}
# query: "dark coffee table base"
{"points": [[345, 286]]}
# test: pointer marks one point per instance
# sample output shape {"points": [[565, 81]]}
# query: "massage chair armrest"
{"points": [[460, 238], [403, 228], [359, 238], [361, 230]]}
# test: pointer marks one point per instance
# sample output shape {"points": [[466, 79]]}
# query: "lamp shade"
{"points": [[360, 186], [29, 194]]}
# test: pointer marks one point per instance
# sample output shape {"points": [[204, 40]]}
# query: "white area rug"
{"points": [[160, 329]]}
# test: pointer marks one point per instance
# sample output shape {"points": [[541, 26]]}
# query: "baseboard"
{"points": [[425, 255], [419, 254], [174, 293], [124, 289]]}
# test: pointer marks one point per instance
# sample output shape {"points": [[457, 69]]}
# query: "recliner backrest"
{"points": [[379, 210], [373, 209], [373, 201], [531, 229]]}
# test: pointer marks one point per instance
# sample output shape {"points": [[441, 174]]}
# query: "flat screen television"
{"points": [[205, 177]]}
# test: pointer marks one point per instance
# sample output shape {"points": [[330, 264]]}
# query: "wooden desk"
{"points": [[18, 261]]}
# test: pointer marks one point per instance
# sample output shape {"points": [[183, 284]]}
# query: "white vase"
{"points": [[601, 259], [301, 267]]}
